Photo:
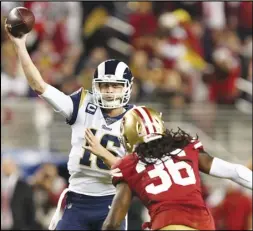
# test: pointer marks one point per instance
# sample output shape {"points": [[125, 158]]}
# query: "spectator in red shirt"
{"points": [[40, 9], [235, 211], [144, 23], [222, 88]]}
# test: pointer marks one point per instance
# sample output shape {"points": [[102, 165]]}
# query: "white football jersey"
{"points": [[88, 174]]}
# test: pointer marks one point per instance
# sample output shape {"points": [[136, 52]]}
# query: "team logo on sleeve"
{"points": [[91, 108]]}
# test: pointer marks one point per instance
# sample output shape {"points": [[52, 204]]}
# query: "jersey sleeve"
{"points": [[197, 145], [60, 102], [77, 100], [117, 172], [122, 170]]}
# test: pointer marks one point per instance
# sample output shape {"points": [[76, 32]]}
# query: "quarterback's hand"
{"points": [[17, 41], [93, 144]]}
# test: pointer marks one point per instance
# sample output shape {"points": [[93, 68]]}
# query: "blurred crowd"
{"points": [[179, 52], [29, 203]]}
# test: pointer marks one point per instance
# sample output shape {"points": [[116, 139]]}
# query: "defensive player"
{"points": [[163, 171], [90, 190]]}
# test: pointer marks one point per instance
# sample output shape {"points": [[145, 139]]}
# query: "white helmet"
{"points": [[112, 71]]}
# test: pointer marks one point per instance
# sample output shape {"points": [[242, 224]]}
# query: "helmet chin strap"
{"points": [[123, 109], [110, 103]]}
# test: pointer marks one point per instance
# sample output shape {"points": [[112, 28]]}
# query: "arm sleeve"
{"points": [[117, 176], [60, 102], [235, 172]]}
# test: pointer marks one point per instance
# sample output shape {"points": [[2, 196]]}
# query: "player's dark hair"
{"points": [[157, 149]]}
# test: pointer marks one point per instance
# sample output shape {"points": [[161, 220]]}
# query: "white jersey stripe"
{"points": [[117, 174], [197, 145], [146, 119], [121, 67], [101, 70], [116, 170]]}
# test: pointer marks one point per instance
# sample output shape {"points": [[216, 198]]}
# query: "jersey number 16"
{"points": [[88, 157]]}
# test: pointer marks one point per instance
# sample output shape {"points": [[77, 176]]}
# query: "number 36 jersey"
{"points": [[88, 174], [171, 184]]}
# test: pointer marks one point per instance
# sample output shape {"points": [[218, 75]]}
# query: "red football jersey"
{"points": [[170, 189]]}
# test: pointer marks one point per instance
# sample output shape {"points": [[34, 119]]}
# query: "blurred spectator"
{"points": [[65, 70], [214, 15], [73, 53], [245, 19], [246, 58], [69, 14], [139, 64], [144, 23], [13, 84], [69, 85], [232, 13], [235, 211], [122, 10], [46, 57], [183, 35], [48, 186], [95, 17], [17, 199], [194, 8], [74, 22], [182, 28], [40, 10], [222, 88], [6, 7], [86, 68], [59, 22], [181, 48]]}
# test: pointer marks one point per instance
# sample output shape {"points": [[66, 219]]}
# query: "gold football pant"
{"points": [[177, 227]]}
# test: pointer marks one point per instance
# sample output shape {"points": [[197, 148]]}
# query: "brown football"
{"points": [[20, 21]]}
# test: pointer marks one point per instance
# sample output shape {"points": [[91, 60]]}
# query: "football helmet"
{"points": [[112, 71], [140, 124]]}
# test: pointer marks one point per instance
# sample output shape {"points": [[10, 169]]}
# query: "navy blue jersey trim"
{"points": [[76, 100], [127, 107]]}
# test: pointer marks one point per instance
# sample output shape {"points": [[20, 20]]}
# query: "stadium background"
{"points": [[191, 60]]}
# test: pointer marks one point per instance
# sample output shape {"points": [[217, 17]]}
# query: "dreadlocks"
{"points": [[157, 149]]}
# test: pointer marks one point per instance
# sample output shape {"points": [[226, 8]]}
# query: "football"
{"points": [[20, 21]]}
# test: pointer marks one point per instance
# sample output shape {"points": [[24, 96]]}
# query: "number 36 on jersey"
{"points": [[169, 173]]}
